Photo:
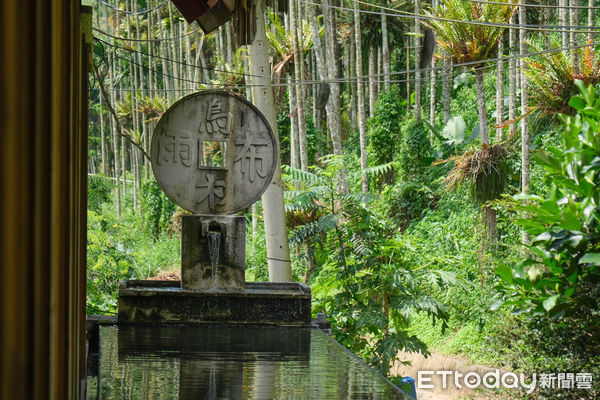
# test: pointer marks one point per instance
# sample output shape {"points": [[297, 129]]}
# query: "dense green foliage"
{"points": [[124, 248], [561, 275], [366, 284]]}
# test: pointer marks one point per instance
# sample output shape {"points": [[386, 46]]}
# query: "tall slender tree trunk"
{"points": [[408, 75], [432, 96], [321, 69], [190, 65], [525, 175], [299, 89], [316, 112], [353, 96], [165, 68], [573, 21], [372, 84], [294, 159], [417, 62], [229, 43], [590, 23], [483, 123], [124, 167], [114, 133], [512, 76], [546, 12], [173, 54], [334, 106], [386, 50], [563, 22], [432, 84], [197, 65], [278, 253], [500, 91], [447, 85], [360, 97], [103, 150], [317, 44], [379, 70], [204, 63]]}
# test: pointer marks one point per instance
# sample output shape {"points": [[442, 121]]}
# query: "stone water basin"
{"points": [[229, 362]]}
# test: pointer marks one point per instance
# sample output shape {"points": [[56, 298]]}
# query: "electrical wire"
{"points": [[439, 79], [529, 5], [174, 61], [164, 3], [364, 78], [129, 50], [411, 15], [146, 40], [408, 15]]}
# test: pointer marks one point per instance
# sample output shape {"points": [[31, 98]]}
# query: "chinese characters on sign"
{"points": [[564, 380], [213, 153]]}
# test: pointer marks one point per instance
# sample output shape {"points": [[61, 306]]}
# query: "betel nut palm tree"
{"points": [[470, 32]]}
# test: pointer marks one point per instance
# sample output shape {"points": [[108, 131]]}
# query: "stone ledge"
{"points": [[261, 303], [250, 286]]}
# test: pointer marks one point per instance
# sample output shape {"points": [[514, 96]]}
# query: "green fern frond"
{"points": [[313, 229]]}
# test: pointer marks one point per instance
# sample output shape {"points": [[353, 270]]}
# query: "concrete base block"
{"points": [[260, 303]]}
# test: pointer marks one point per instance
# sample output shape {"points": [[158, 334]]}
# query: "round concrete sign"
{"points": [[213, 153]]}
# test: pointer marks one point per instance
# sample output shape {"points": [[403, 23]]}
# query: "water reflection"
{"points": [[176, 362]]}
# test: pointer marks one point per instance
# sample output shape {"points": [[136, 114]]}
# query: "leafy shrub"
{"points": [[384, 128], [107, 263], [406, 202], [157, 208], [415, 151], [364, 282], [561, 275], [99, 189], [539, 344]]}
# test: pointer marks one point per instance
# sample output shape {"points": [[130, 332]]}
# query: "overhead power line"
{"points": [[529, 5], [164, 3], [363, 78], [146, 40], [129, 50], [222, 71], [411, 15]]}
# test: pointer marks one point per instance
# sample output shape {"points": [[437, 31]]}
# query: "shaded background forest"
{"points": [[414, 210]]}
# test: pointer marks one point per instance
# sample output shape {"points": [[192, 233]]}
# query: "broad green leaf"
{"points": [[550, 302], [577, 102], [461, 79], [590, 258], [505, 272], [455, 130]]}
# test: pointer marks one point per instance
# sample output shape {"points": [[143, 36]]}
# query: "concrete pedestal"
{"points": [[213, 252]]}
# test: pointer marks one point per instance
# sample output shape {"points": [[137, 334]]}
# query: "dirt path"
{"points": [[440, 362]]}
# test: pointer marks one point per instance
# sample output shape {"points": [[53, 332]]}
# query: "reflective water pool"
{"points": [[177, 362]]}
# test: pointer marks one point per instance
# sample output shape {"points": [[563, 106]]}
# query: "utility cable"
{"points": [[222, 71], [529, 5], [146, 40], [364, 78], [129, 50], [411, 15], [164, 3]]}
